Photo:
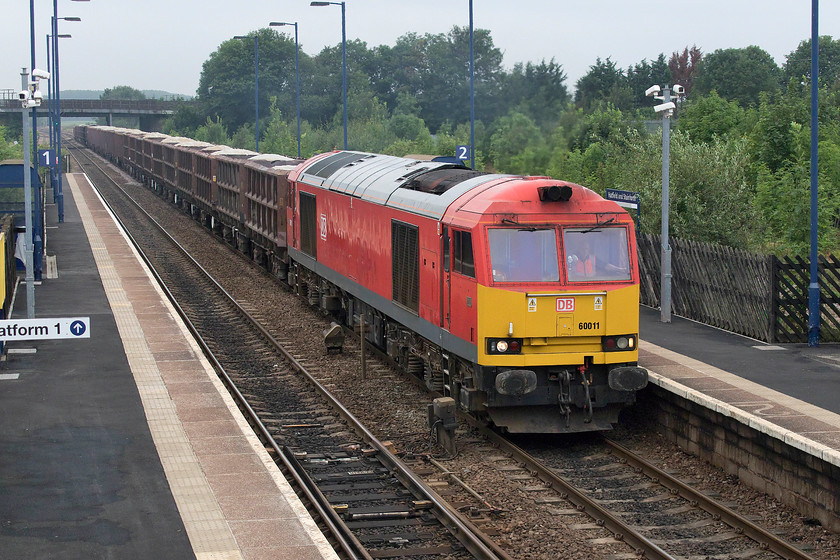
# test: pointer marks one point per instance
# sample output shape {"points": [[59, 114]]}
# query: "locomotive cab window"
{"points": [[597, 254], [523, 255], [462, 253]]}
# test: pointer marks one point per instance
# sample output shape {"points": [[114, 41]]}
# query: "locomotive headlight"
{"points": [[619, 343], [504, 345]]}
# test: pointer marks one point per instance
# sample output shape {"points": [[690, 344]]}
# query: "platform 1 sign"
{"points": [[45, 329]]}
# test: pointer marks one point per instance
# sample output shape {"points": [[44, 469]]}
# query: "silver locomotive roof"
{"points": [[382, 179]]}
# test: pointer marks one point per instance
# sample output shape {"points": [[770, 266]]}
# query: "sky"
{"points": [[162, 44]]}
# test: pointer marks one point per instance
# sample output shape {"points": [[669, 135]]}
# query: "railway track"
{"points": [[371, 504], [654, 515]]}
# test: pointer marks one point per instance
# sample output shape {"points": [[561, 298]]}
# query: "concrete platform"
{"points": [[789, 392], [126, 445]]}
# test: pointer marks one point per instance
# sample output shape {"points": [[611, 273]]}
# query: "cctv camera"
{"points": [[652, 90], [41, 74], [37, 96], [678, 89], [664, 107], [23, 95]]}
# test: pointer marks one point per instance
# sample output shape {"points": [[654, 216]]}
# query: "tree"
{"points": [[738, 75], [514, 144], [186, 119], [8, 149], [798, 63], [773, 140], [607, 123], [226, 86], [122, 93], [710, 116], [641, 76], [684, 67], [446, 77], [538, 91], [213, 132], [604, 82]]}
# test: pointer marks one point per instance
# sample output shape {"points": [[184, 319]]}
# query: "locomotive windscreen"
{"points": [[439, 180]]}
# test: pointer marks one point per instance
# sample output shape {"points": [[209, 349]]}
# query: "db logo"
{"points": [[565, 304]]}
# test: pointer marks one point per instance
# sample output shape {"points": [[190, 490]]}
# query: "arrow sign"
{"points": [[45, 329]]}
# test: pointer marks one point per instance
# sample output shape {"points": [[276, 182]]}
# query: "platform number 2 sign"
{"points": [[462, 152], [324, 227]]}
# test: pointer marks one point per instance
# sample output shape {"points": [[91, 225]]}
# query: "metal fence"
{"points": [[762, 296]]}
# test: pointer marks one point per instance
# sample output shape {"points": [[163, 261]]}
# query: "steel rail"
{"points": [[762, 537], [643, 547]]}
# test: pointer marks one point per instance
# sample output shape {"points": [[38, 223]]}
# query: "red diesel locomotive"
{"points": [[517, 296]]}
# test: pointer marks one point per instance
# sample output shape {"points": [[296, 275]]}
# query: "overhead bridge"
{"points": [[149, 111]]}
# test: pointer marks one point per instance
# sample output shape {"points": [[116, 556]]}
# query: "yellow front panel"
{"points": [[558, 327]]}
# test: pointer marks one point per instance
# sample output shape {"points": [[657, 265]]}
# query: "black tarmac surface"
{"points": [[809, 374], [79, 473]]}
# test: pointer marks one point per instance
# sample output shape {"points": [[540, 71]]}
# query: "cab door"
{"points": [[445, 281]]}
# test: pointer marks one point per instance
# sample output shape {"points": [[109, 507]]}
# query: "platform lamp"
{"points": [[297, 74], [343, 59], [667, 109], [30, 97], [50, 118], [472, 91], [57, 110], [256, 87]]}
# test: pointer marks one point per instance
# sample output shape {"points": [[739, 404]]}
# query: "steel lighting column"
{"points": [[51, 113], [297, 75], [32, 65], [27, 205], [666, 108], [665, 280], [472, 90], [343, 59], [814, 286], [60, 195], [256, 88]]}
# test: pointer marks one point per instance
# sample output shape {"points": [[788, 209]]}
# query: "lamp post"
{"points": [[50, 117], [256, 88], [32, 65], [343, 59], [667, 109], [297, 76], [57, 113], [814, 286], [472, 91], [30, 98]]}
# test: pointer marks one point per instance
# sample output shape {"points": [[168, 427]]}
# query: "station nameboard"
{"points": [[628, 199], [44, 329]]}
